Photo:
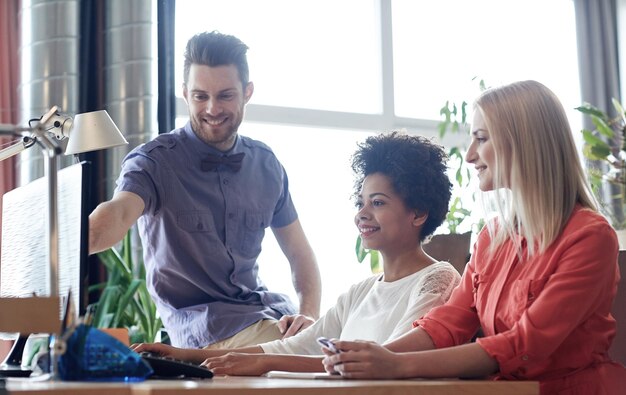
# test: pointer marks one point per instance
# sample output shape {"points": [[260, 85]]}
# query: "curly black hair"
{"points": [[416, 167]]}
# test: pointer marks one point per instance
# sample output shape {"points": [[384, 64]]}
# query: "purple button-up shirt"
{"points": [[202, 233]]}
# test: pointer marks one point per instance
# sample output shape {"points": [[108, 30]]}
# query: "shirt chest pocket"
{"points": [[480, 291], [524, 292], [195, 221], [253, 232]]}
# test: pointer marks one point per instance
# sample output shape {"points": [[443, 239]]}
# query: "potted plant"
{"points": [[455, 121], [124, 300], [454, 245], [605, 147]]}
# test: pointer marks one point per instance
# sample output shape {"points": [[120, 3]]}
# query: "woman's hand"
{"points": [[238, 364], [362, 360]]}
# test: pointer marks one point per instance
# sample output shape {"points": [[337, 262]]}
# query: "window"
{"points": [[329, 73], [294, 46], [440, 46]]}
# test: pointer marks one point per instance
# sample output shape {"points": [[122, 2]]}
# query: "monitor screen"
{"points": [[24, 268]]}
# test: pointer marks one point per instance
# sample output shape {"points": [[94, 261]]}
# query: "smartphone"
{"points": [[328, 344]]}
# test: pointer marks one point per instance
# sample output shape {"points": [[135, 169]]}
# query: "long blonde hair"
{"points": [[535, 153]]}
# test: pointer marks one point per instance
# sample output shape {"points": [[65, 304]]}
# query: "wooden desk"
{"points": [[267, 386]]}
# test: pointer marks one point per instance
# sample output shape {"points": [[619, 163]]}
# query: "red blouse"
{"points": [[546, 318]]}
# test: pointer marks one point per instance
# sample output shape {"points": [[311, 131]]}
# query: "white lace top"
{"points": [[375, 310]]}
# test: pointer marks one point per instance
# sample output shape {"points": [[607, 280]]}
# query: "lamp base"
{"points": [[12, 365], [14, 371]]}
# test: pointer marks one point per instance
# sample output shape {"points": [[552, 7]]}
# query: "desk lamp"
{"points": [[86, 132]]}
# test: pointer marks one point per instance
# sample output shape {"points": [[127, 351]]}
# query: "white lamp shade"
{"points": [[93, 131]]}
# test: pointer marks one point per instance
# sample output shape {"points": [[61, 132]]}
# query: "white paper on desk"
{"points": [[302, 375]]}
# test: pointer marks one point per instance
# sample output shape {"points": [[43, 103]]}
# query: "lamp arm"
{"points": [[19, 146], [6, 128], [11, 130]]}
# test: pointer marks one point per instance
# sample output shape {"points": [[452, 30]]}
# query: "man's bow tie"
{"points": [[212, 162]]}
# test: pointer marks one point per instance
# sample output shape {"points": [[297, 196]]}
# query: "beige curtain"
{"points": [[9, 69]]}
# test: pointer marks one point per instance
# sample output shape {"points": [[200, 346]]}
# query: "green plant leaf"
{"points": [[106, 320], [127, 251], [619, 109], [96, 287], [594, 141], [455, 127], [599, 153], [442, 128], [445, 110], [143, 323], [125, 300], [464, 112], [374, 261], [360, 251], [588, 109], [107, 299], [116, 264], [602, 126]]}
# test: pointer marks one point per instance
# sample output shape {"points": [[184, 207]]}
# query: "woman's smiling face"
{"points": [[481, 153], [383, 219]]}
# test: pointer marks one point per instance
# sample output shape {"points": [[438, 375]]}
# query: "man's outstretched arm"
{"points": [[110, 221]]}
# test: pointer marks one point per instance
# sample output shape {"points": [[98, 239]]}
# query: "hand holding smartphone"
{"points": [[328, 344]]}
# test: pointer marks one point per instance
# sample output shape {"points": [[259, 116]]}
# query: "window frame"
{"points": [[385, 121]]}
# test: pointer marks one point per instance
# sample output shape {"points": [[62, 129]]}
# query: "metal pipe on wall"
{"points": [[130, 76], [48, 69], [130, 81]]}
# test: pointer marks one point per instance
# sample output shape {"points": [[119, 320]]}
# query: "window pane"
{"points": [[321, 54], [439, 46]]}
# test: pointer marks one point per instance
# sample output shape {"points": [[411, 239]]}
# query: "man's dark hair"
{"points": [[416, 168], [216, 49]]}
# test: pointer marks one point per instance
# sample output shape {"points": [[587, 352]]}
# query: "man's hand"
{"points": [[289, 325], [161, 349], [184, 354]]}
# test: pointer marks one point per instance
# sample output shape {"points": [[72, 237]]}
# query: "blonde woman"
{"points": [[543, 274]]}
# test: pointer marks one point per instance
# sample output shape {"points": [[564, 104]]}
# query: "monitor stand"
{"points": [[12, 364]]}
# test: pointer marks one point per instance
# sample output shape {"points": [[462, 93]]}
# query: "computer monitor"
{"points": [[24, 268]]}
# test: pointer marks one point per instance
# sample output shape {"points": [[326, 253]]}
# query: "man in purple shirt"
{"points": [[202, 197]]}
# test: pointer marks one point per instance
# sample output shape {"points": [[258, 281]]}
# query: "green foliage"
{"points": [[124, 300], [607, 144], [362, 253], [456, 215], [455, 121]]}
